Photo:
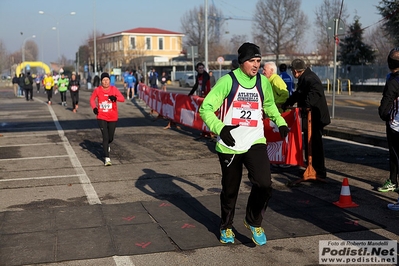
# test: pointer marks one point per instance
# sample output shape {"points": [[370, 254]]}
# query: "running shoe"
{"points": [[76, 107], [49, 102], [394, 206], [388, 186], [74, 110], [258, 234], [109, 148], [227, 236], [107, 161]]}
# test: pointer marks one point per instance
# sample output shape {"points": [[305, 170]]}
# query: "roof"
{"points": [[143, 31], [151, 31]]}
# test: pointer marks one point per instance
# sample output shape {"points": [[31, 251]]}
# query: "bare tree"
{"points": [[327, 11], [279, 26], [193, 26], [136, 59], [381, 42], [235, 42], [31, 51], [90, 44], [3, 57]]}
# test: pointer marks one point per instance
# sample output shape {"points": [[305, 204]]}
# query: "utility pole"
{"points": [[206, 36]]}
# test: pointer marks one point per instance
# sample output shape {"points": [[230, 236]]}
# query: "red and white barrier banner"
{"points": [[289, 150], [183, 109]]}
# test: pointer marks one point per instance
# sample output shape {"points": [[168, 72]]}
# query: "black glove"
{"points": [[112, 98], [283, 131], [95, 111], [226, 136]]}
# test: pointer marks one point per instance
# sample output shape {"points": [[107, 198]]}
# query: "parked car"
{"points": [[187, 80]]}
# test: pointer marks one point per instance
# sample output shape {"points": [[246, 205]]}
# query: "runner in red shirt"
{"points": [[103, 101]]}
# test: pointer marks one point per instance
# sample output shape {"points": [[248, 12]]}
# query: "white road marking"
{"points": [[33, 158], [31, 144], [356, 143], [37, 178], [88, 188], [353, 107], [123, 261]]}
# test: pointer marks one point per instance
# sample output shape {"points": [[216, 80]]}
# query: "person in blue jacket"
{"points": [[287, 78], [131, 80]]}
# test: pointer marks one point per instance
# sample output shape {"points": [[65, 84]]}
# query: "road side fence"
{"points": [[357, 75]]}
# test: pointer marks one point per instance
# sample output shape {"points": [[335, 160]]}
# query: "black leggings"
{"points": [[257, 162], [49, 94], [393, 145], [63, 96], [74, 98], [108, 131]]}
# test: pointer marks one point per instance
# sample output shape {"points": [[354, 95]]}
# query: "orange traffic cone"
{"points": [[345, 199]]}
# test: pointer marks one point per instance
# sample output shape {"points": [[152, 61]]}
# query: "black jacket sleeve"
{"points": [[389, 95], [195, 87]]}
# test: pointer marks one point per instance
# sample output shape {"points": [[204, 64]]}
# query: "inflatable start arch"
{"points": [[32, 64]]}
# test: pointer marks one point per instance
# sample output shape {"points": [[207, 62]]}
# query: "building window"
{"points": [[132, 43], [160, 43], [115, 43], [148, 43]]}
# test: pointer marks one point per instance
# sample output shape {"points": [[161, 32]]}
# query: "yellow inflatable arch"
{"points": [[32, 64]]}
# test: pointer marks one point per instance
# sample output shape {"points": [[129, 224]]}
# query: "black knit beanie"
{"points": [[393, 63], [247, 51], [104, 75]]}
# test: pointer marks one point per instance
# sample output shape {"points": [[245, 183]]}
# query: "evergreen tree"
{"points": [[389, 10], [352, 50]]}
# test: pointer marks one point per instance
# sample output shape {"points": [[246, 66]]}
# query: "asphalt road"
{"points": [[59, 204]]}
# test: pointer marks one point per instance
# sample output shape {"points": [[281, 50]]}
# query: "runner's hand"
{"points": [[112, 98], [95, 111], [283, 131], [226, 136]]}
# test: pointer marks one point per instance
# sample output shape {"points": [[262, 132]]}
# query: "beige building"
{"points": [[131, 48]]}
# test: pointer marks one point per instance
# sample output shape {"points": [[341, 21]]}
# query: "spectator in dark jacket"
{"points": [[21, 84], [15, 84], [153, 79], [202, 81], [28, 86], [310, 95]]}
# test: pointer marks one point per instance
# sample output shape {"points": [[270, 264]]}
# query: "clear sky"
{"points": [[109, 16]]}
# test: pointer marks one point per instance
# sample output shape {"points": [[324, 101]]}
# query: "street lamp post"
{"points": [[23, 47], [43, 32], [95, 37], [57, 20]]}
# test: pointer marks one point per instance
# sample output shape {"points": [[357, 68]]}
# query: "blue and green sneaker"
{"points": [[227, 236], [258, 234]]}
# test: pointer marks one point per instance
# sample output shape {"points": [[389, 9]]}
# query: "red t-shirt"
{"points": [[107, 110]]}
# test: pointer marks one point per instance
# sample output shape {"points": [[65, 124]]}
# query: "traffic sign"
{"points": [[220, 59]]}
